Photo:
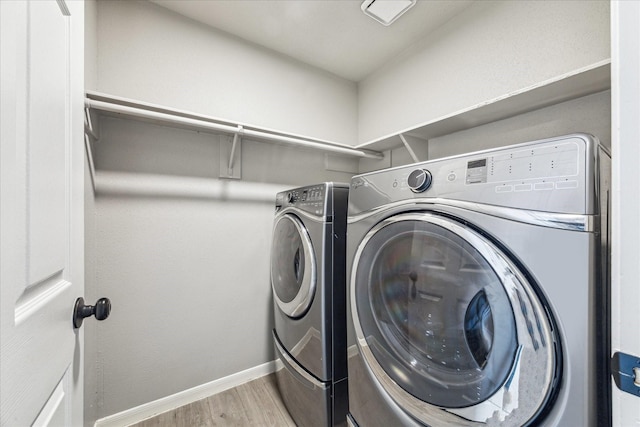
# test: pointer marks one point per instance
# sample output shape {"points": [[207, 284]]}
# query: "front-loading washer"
{"points": [[478, 289], [308, 270]]}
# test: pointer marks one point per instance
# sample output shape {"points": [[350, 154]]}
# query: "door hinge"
{"points": [[625, 369]]}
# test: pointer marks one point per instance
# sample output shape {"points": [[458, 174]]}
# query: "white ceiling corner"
{"points": [[333, 35]]}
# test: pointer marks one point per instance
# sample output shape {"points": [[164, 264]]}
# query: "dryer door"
{"points": [[445, 320], [293, 269]]}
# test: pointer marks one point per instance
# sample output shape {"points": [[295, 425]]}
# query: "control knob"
{"points": [[419, 180]]}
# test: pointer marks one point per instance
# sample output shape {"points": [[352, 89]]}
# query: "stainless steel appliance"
{"points": [[309, 292], [478, 289]]}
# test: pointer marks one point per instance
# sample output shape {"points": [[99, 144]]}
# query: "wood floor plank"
{"points": [[256, 403], [196, 414], [227, 409], [260, 405], [163, 420]]}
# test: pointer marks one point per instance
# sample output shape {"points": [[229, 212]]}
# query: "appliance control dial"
{"points": [[419, 180], [291, 197]]}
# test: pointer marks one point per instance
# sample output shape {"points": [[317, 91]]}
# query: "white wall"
{"points": [[492, 49], [151, 54]]}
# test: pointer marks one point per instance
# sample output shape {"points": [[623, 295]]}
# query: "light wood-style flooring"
{"points": [[256, 403]]}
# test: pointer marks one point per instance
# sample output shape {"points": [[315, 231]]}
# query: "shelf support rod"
{"points": [[409, 149]]}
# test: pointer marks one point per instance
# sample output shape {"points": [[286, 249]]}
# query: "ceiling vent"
{"points": [[386, 11]]}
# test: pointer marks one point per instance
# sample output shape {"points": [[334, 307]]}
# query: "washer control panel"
{"points": [[547, 167], [549, 174]]}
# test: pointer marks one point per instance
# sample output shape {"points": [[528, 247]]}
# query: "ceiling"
{"points": [[333, 35]]}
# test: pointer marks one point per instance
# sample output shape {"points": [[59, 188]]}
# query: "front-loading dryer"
{"points": [[478, 289], [308, 271]]}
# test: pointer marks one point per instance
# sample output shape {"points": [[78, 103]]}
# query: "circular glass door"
{"points": [[444, 320], [293, 270]]}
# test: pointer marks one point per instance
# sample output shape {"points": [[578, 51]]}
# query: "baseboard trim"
{"points": [[151, 409]]}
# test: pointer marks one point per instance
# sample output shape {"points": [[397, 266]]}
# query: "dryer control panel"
{"points": [[309, 199]]}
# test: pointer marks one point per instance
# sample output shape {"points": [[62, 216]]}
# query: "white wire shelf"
{"points": [[184, 119]]}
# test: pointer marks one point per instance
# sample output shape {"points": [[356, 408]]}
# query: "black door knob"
{"points": [[101, 310]]}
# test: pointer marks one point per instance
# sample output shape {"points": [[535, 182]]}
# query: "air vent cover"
{"points": [[386, 11]]}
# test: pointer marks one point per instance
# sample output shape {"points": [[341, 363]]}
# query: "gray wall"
{"points": [[187, 269], [148, 53], [184, 258], [490, 50], [590, 114], [183, 255]]}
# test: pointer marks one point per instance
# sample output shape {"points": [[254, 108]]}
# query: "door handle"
{"points": [[101, 310]]}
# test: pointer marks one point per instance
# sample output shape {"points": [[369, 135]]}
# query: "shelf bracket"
{"points": [[231, 155], [91, 136], [236, 138], [409, 149], [89, 152], [90, 125]]}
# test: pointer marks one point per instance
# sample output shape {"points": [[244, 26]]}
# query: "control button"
{"points": [[543, 186], [504, 188], [522, 187], [419, 180], [451, 177], [566, 185], [292, 196]]}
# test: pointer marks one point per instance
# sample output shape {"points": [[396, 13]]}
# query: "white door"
{"points": [[625, 186], [41, 211]]}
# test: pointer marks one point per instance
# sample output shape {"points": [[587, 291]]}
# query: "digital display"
{"points": [[477, 163], [477, 171], [312, 194]]}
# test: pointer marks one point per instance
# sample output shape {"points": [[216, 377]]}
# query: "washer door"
{"points": [[445, 320], [293, 269]]}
